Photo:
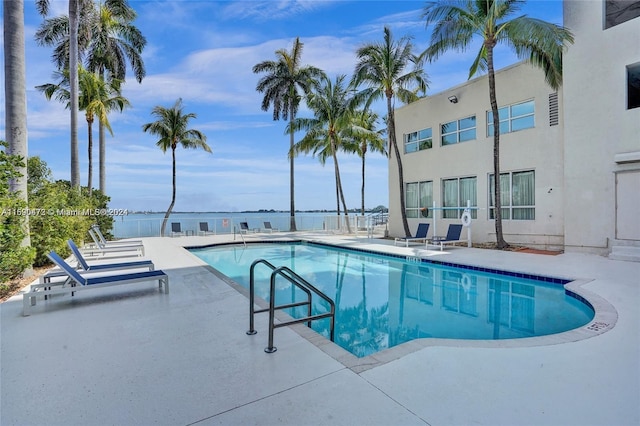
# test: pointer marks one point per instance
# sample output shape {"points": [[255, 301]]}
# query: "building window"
{"points": [[517, 195], [513, 118], [419, 195], [417, 141], [458, 131], [618, 11], [455, 193], [633, 86]]}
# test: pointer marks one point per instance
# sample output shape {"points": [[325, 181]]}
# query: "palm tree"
{"points": [[15, 96], [114, 41], [106, 40], [384, 68], [365, 120], [327, 130], [75, 10], [97, 98], [542, 43], [281, 84], [172, 128]]}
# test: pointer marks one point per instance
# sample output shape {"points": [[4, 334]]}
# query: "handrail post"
{"points": [[252, 299], [272, 306], [252, 293]]}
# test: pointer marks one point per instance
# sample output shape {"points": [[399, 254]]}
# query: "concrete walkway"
{"points": [[131, 355]]}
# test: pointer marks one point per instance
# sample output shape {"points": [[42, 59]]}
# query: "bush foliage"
{"points": [[56, 211], [14, 258], [66, 213]]}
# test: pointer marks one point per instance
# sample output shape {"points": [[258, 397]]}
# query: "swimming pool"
{"points": [[384, 300]]}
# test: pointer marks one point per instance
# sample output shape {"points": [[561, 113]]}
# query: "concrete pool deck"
{"points": [[131, 355]]}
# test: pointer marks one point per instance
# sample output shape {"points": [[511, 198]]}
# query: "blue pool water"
{"points": [[383, 301]]}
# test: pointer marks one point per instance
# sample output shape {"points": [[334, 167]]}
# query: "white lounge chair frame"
{"points": [[100, 248], [105, 242]]}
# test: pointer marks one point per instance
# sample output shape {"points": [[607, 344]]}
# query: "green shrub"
{"points": [[66, 212], [14, 258]]}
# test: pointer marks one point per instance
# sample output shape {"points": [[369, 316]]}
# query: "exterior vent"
{"points": [[553, 109]]}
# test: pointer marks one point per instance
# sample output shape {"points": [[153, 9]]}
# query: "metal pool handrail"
{"points": [[297, 281]]}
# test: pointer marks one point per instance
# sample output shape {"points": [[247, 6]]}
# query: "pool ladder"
{"points": [[300, 283]]}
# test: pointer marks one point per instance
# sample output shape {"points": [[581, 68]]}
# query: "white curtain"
{"points": [[450, 196], [468, 192], [523, 194], [411, 200]]}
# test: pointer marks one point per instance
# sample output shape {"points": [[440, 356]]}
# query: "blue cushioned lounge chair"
{"points": [[244, 228], [83, 266], [453, 236], [77, 282], [176, 229], [204, 229], [269, 228], [421, 235]]}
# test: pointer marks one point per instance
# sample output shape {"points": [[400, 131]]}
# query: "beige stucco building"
{"points": [[569, 160], [602, 126]]}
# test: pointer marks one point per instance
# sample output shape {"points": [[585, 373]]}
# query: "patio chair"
{"points": [[453, 236], [104, 241], [77, 282], [204, 229], [99, 248], [83, 266], [45, 280], [176, 229], [269, 228], [244, 228], [421, 236]]}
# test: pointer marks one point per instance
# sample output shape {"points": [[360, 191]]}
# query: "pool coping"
{"points": [[604, 319]]}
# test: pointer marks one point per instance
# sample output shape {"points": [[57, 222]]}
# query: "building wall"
{"points": [[538, 149], [601, 136]]}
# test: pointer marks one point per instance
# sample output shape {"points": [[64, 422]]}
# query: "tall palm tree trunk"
{"points": [[364, 152], [339, 182], [102, 149], [73, 84], [15, 97], [501, 243], [337, 194], [173, 192], [90, 156], [292, 206], [393, 143], [101, 157]]}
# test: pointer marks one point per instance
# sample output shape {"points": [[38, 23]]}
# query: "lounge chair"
{"points": [[83, 266], [99, 248], [244, 228], [453, 236], [104, 241], [77, 282], [204, 229], [269, 228], [421, 236], [45, 280], [176, 229]]}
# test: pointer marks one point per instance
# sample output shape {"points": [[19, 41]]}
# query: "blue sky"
{"points": [[203, 52]]}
